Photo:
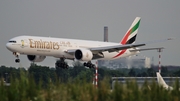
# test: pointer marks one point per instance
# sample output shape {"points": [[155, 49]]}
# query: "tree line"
{"points": [[79, 72]]}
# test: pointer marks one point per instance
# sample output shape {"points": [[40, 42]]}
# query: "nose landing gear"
{"points": [[17, 56], [17, 60]]}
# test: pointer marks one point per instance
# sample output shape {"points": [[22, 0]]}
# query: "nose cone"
{"points": [[8, 46]]}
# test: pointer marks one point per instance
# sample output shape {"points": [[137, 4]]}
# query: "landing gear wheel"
{"points": [[61, 64], [93, 66], [89, 64], [17, 60]]}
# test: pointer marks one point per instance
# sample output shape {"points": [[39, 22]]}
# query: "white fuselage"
{"points": [[57, 47]]}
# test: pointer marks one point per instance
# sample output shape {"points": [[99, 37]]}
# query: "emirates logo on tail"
{"points": [[131, 34]]}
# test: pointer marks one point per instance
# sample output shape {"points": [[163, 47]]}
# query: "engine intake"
{"points": [[35, 58], [83, 55]]}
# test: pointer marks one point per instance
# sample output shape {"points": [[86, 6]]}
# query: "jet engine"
{"points": [[83, 55], [35, 58]]}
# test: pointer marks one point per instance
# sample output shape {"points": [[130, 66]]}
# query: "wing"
{"points": [[115, 48], [122, 47], [97, 51]]}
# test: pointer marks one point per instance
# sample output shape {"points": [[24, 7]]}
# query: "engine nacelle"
{"points": [[35, 58], [83, 54]]}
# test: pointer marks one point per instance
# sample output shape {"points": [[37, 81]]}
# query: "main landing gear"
{"points": [[89, 64], [17, 60], [61, 64]]}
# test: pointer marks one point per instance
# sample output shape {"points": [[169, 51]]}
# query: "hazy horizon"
{"points": [[86, 20]]}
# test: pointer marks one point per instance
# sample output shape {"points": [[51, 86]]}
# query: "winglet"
{"points": [[131, 34]]}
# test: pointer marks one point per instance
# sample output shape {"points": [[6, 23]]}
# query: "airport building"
{"points": [[129, 62]]}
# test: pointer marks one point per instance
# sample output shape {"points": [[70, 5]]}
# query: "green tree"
{"points": [[132, 72], [40, 73]]}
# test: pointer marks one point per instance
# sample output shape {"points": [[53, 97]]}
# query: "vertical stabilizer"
{"points": [[131, 34]]}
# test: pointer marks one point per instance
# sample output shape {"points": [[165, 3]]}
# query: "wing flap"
{"points": [[145, 49]]}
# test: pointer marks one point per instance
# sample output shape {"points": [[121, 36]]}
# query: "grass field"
{"points": [[25, 89]]}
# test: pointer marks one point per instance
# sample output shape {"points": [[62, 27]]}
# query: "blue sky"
{"points": [[81, 19]]}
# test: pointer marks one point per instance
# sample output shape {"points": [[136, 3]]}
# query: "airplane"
{"points": [[37, 48], [162, 83]]}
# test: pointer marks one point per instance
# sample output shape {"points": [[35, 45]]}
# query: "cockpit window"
{"points": [[12, 41]]}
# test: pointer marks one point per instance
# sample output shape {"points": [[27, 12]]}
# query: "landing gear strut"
{"points": [[61, 64], [89, 64], [17, 56]]}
